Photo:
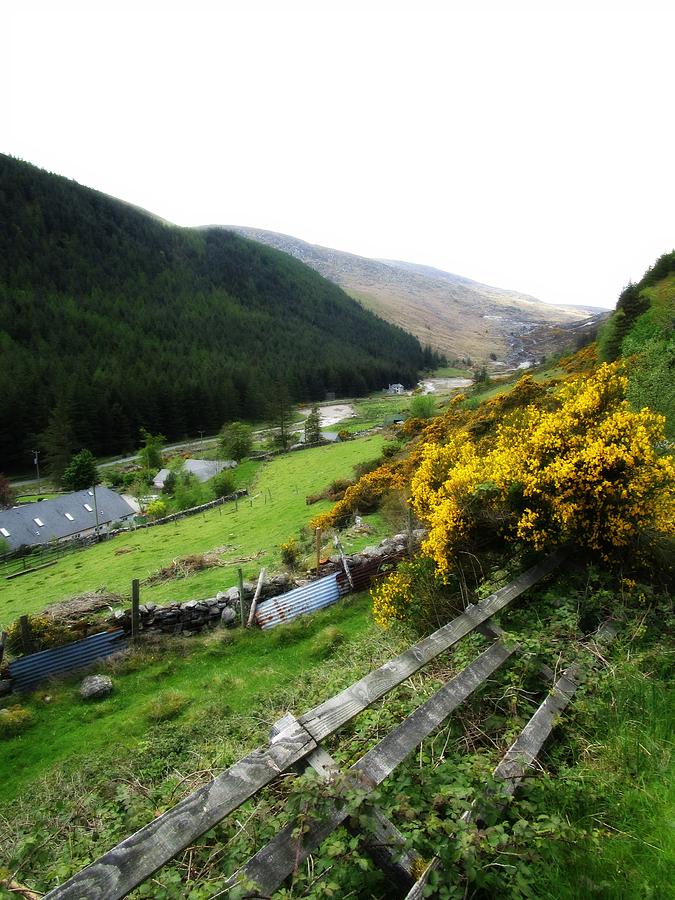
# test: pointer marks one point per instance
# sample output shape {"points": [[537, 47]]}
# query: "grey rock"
{"points": [[95, 686], [228, 617], [191, 604]]}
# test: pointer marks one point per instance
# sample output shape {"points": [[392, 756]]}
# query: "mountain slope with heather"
{"points": [[111, 319], [455, 315]]}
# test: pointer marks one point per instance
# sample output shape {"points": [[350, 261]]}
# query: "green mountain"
{"points": [[111, 319], [642, 330]]}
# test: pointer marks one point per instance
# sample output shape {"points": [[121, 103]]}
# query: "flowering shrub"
{"points": [[44, 634], [290, 553], [588, 470], [363, 496], [414, 594]]}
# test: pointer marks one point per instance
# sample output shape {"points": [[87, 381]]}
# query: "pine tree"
{"points": [[313, 426], [57, 440]]}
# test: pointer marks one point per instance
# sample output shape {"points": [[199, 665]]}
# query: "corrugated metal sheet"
{"points": [[28, 670], [298, 602]]}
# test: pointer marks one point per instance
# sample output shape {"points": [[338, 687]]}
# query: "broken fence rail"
{"points": [[137, 857]]}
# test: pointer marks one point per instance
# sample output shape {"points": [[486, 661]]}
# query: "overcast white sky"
{"points": [[524, 144]]}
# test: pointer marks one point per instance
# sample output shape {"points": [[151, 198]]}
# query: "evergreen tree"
{"points": [[81, 472], [57, 441], [313, 426], [281, 415], [131, 314]]}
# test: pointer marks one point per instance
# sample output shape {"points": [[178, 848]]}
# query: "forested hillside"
{"points": [[111, 319]]}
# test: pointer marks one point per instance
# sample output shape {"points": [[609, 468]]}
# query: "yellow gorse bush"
{"points": [[589, 470]]}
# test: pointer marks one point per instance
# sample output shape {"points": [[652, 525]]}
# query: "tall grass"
{"points": [[619, 795]]}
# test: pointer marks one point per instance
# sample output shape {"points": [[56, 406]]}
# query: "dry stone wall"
{"points": [[191, 616]]}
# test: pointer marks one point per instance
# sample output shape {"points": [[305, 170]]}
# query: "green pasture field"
{"points": [[372, 411], [172, 678], [275, 511], [452, 372]]}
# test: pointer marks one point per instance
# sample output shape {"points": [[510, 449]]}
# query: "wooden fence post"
{"points": [[254, 604], [345, 566], [135, 612], [241, 595], [26, 637], [318, 550], [3, 641]]}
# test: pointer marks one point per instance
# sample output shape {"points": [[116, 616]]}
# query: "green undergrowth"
{"points": [[592, 820], [247, 536]]}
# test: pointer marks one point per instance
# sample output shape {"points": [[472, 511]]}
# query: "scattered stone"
{"points": [[95, 686], [228, 617]]}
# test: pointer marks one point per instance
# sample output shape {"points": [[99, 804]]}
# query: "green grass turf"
{"points": [[255, 529], [175, 677], [452, 372]]}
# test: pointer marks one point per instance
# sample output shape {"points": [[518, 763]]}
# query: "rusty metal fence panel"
{"points": [[298, 602], [28, 670]]}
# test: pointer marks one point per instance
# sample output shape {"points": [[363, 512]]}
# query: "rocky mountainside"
{"points": [[455, 315]]}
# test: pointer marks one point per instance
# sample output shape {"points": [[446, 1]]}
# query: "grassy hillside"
{"points": [[550, 460], [254, 530], [642, 331], [111, 319]]}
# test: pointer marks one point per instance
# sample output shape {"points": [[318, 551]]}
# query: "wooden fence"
{"points": [[298, 741]]}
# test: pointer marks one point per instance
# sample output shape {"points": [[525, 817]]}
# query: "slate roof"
{"points": [[203, 469], [61, 517]]}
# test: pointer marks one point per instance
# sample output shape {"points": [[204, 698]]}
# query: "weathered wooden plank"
{"points": [[136, 858], [521, 754], [387, 847], [273, 863], [332, 714], [379, 762], [385, 843], [416, 892], [524, 750], [28, 571]]}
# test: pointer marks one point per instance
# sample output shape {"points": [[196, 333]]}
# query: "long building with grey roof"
{"points": [[69, 516]]}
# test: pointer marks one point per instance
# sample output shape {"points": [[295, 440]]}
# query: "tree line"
{"points": [[112, 320]]}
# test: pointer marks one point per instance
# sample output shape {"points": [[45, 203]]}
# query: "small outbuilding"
{"points": [[396, 389]]}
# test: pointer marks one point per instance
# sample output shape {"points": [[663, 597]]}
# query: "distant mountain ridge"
{"points": [[453, 314], [111, 319]]}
